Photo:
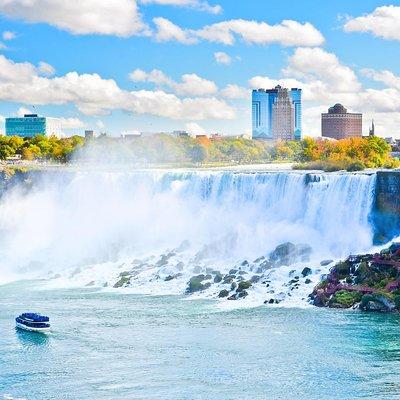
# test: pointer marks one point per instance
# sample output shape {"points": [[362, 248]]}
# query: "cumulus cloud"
{"points": [[195, 129], [105, 17], [167, 31], [382, 22], [233, 91], [195, 4], [191, 84], [317, 64], [222, 58], [72, 123], [94, 95], [9, 35], [287, 33], [388, 78]]}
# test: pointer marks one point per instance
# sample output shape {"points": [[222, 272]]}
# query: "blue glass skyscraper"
{"points": [[262, 102]]}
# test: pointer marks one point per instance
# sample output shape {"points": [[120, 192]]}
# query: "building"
{"points": [[283, 115], [262, 112], [337, 123], [31, 125], [89, 134], [180, 133]]}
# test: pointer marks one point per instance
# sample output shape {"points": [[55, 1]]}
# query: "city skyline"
{"points": [[202, 61]]}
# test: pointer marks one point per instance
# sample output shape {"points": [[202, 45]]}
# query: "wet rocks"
{"points": [[370, 282], [289, 253], [306, 271], [196, 284], [223, 293]]}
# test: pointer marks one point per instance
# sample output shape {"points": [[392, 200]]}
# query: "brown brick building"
{"points": [[337, 123]]}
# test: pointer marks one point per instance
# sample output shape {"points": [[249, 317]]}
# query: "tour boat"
{"points": [[33, 322]]}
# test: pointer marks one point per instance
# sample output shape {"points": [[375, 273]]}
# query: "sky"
{"points": [[120, 66]]}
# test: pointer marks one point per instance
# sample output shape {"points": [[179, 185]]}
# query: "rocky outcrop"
{"points": [[370, 282]]}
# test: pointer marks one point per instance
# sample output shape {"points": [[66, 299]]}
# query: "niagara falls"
{"points": [[199, 200]]}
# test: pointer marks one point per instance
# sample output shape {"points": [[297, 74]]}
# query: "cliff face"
{"points": [[385, 216]]}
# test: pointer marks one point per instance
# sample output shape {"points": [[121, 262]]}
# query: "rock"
{"points": [[255, 278], [217, 278], [307, 281], [228, 278], [209, 271], [233, 286], [244, 285], [233, 271], [242, 294], [345, 299], [324, 263], [306, 271], [223, 293], [180, 266], [195, 284], [233, 297], [284, 254], [377, 302], [123, 281], [171, 277], [242, 272], [244, 263]]}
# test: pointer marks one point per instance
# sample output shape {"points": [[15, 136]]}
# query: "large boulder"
{"points": [[196, 284], [289, 253], [377, 302]]}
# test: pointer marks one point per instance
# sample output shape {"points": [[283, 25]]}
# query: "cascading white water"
{"points": [[84, 218]]}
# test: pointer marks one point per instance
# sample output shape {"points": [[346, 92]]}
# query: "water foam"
{"points": [[95, 224]]}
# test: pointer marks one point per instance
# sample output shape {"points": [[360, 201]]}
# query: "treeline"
{"points": [[351, 154], [40, 148]]}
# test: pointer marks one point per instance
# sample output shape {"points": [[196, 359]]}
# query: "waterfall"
{"points": [[83, 218]]}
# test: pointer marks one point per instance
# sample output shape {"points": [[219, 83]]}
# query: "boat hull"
{"points": [[32, 329]]}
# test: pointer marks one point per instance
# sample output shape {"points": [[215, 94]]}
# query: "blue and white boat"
{"points": [[33, 322]]}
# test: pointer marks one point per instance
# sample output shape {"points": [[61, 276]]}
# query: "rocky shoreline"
{"points": [[369, 282]]}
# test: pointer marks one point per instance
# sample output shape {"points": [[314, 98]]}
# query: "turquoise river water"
{"points": [[108, 345]]}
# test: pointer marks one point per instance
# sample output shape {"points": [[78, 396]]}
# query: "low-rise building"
{"points": [[31, 125]]}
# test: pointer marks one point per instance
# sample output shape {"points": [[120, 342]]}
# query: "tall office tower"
{"points": [[283, 116], [262, 115]]}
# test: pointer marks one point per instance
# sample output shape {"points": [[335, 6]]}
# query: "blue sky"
{"points": [[160, 65]]}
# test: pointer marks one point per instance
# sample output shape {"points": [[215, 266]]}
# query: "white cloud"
{"points": [[232, 91], [287, 33], [388, 78], [100, 124], [314, 64], [46, 69], [168, 31], [72, 123], [195, 129], [105, 17], [191, 84], [222, 58], [382, 22], [22, 111], [93, 95], [8, 35], [195, 4]]}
